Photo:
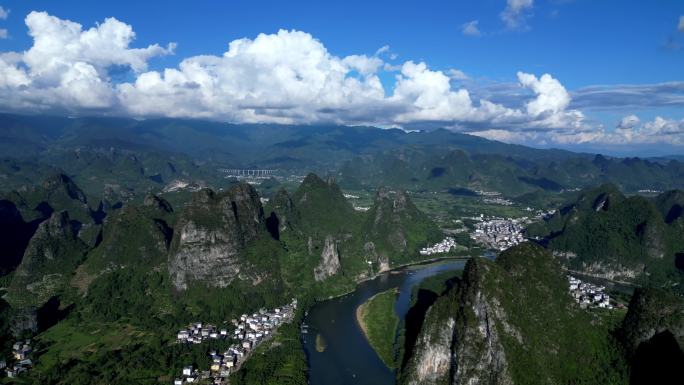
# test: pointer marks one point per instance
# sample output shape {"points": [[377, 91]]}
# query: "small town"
{"points": [[588, 295], [442, 247], [498, 201], [21, 350], [499, 233], [249, 332]]}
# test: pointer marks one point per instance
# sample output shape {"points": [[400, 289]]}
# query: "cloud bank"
{"points": [[287, 77]]}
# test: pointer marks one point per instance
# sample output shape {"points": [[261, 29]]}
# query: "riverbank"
{"points": [[349, 358], [397, 269], [378, 322]]}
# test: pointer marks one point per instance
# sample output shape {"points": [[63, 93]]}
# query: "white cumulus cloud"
{"points": [[628, 122], [457, 74], [471, 28], [284, 77], [69, 67], [516, 12], [4, 13], [660, 130], [551, 101]]}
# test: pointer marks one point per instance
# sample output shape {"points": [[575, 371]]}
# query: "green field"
{"points": [[379, 323]]}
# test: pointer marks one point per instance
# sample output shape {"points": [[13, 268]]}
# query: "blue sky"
{"points": [[581, 44]]}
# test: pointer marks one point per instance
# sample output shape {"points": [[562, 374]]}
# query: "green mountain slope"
{"points": [[606, 234], [653, 335], [131, 156], [51, 258], [394, 229], [512, 322], [134, 236], [329, 244]]}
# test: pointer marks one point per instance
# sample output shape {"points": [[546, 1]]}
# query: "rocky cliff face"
{"points": [[52, 255], [212, 233], [433, 360], [282, 213], [509, 321], [330, 260], [464, 346]]}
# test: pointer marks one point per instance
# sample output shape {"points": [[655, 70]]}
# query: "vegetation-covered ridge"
{"points": [[122, 158], [512, 321], [145, 268], [607, 234]]}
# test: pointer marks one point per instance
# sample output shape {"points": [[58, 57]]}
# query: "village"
{"points": [[588, 295], [249, 331], [498, 233], [498, 201], [21, 350], [442, 247]]}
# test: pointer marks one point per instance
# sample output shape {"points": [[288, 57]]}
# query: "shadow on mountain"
{"points": [[462, 192], [273, 225], [15, 235], [543, 183], [51, 313], [675, 213], [659, 360], [414, 321], [436, 172], [679, 261]]}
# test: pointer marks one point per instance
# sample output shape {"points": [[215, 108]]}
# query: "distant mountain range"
{"points": [[125, 156]]}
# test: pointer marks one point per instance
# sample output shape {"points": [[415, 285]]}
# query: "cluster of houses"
{"points": [[442, 247], [483, 193], [21, 350], [587, 294], [498, 201], [198, 332], [249, 331], [499, 233]]}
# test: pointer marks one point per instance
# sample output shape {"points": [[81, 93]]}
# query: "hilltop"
{"points": [[511, 321], [608, 234]]}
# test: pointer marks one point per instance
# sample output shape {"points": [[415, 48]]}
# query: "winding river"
{"points": [[348, 358]]}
